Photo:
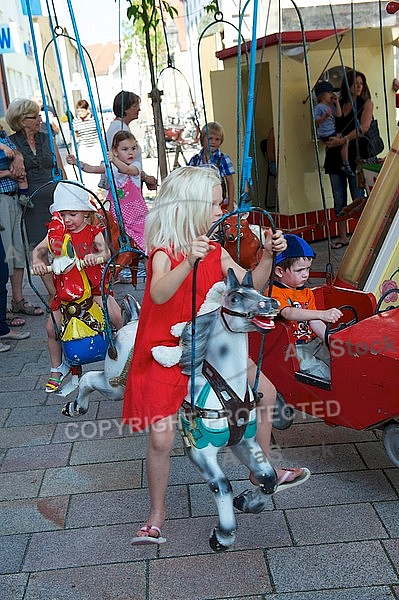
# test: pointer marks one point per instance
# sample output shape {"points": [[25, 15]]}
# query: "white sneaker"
{"points": [[4, 347]]}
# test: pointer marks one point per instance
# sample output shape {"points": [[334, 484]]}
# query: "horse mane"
{"points": [[203, 326]]}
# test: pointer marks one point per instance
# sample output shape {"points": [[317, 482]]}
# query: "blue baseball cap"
{"points": [[323, 86], [296, 248]]}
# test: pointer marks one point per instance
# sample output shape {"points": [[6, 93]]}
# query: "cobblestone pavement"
{"points": [[73, 491]]}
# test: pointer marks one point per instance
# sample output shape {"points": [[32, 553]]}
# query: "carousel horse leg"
{"points": [[223, 536], [93, 380], [251, 454]]}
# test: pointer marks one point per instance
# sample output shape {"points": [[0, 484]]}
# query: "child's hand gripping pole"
{"points": [[43, 269]]}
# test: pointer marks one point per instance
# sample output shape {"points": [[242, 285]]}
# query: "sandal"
{"points": [[24, 307], [149, 539], [15, 321], [54, 383], [291, 478], [287, 478]]}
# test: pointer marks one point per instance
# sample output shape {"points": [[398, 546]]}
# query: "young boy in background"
{"points": [[211, 138]]}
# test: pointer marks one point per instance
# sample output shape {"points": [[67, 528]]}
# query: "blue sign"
{"points": [[6, 41], [35, 8]]}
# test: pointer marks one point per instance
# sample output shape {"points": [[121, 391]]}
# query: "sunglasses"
{"points": [[37, 117]]}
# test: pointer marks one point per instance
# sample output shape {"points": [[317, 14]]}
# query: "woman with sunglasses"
{"points": [[23, 117]]}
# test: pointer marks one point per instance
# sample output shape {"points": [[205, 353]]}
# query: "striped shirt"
{"points": [[86, 131]]}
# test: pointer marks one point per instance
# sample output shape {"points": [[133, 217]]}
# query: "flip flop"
{"points": [[148, 539], [283, 484], [15, 335]]}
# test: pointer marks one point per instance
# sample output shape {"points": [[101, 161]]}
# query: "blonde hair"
{"points": [[182, 210], [211, 127], [18, 109]]}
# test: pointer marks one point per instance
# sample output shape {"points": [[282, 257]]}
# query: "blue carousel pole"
{"points": [[246, 177]]}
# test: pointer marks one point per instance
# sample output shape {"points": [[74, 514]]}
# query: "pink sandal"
{"points": [[148, 539], [291, 478]]}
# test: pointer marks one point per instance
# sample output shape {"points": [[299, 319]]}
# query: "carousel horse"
{"points": [[82, 329], [220, 409], [243, 241], [111, 381]]}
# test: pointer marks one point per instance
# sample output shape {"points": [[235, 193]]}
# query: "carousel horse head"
{"points": [[220, 408], [242, 241]]}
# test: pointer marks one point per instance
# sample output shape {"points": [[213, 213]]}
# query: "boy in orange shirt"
{"points": [[297, 305]]}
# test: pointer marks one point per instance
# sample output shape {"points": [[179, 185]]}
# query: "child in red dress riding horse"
{"points": [[71, 222], [189, 202]]}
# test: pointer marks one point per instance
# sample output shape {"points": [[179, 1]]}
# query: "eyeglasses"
{"points": [[36, 117]]}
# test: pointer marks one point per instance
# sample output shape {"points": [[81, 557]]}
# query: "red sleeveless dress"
{"points": [[154, 392]]}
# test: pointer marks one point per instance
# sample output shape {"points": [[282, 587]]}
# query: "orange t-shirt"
{"points": [[298, 298]]}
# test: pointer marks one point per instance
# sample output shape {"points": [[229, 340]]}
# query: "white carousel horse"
{"points": [[111, 380], [223, 411]]}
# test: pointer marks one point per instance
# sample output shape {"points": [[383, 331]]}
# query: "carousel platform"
{"points": [[73, 492]]}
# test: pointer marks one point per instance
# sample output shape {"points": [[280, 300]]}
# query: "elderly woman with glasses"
{"points": [[23, 117]]}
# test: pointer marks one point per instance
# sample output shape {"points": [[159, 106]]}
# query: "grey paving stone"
{"points": [[202, 502], [110, 410], [210, 576], [374, 455], [13, 399], [311, 433], [12, 368], [388, 513], [105, 450], [92, 478], [20, 485], [4, 414], [337, 488], [38, 367], [12, 587], [325, 458], [114, 582], [36, 457], [122, 506], [191, 536], [20, 384], [32, 435], [393, 476], [84, 547], [78, 430], [40, 415], [368, 593], [341, 523], [326, 566], [392, 548], [12, 550], [26, 516]]}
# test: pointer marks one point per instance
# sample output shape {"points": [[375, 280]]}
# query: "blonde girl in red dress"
{"points": [[189, 202]]}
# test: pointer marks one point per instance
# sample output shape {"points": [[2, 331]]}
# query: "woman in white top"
{"points": [[126, 108]]}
